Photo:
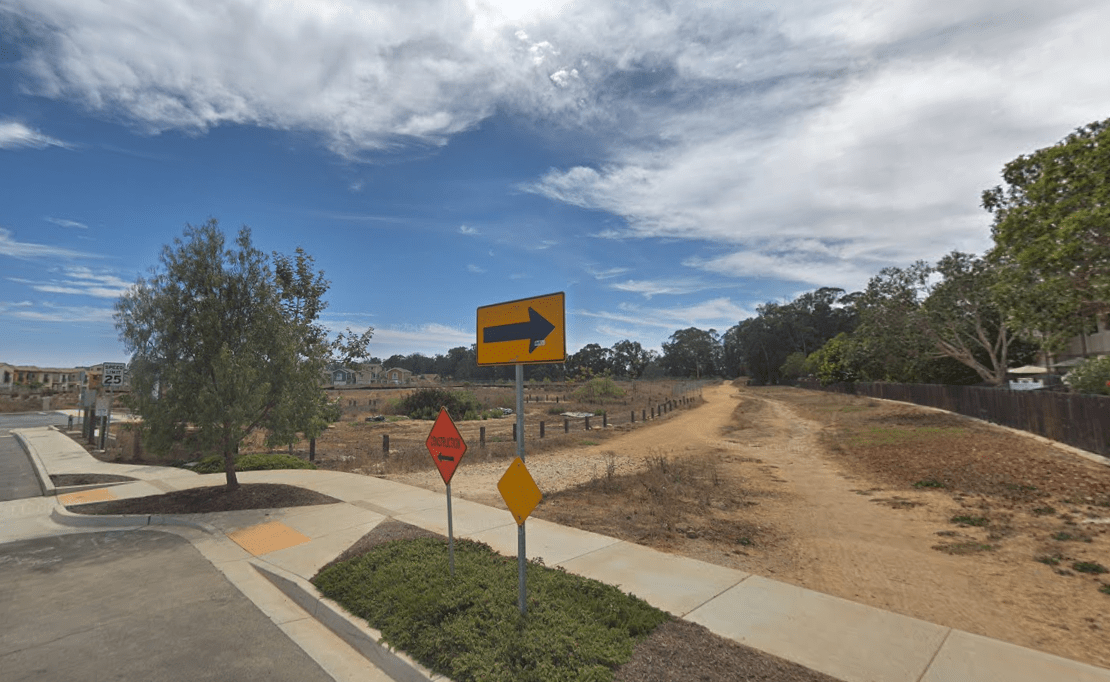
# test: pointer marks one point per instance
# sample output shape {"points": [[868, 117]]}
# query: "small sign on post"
{"points": [[113, 375], [446, 446]]}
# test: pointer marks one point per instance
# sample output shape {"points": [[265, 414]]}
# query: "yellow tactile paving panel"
{"points": [[267, 537], [86, 496]]}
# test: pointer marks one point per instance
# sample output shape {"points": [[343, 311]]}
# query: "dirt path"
{"points": [[825, 529]]}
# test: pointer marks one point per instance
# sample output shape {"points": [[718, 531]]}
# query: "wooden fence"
{"points": [[1076, 419]]}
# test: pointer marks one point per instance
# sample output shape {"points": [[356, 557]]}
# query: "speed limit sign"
{"points": [[113, 375]]}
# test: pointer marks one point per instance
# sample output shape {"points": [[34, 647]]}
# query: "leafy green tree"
{"points": [[794, 366], [692, 352], [590, 360], [914, 318], [1090, 376], [1052, 236], [838, 361], [629, 358], [225, 345]]}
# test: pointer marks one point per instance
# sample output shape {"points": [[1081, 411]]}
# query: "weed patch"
{"points": [[928, 483], [1044, 511], [978, 521], [1064, 536], [1089, 567], [964, 548], [467, 627], [1050, 559]]}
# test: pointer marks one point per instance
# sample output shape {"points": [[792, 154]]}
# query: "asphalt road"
{"points": [[17, 478], [133, 605]]}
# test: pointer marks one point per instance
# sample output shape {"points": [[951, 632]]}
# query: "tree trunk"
{"points": [[229, 467]]}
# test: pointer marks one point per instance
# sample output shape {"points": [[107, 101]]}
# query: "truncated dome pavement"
{"points": [[267, 537]]}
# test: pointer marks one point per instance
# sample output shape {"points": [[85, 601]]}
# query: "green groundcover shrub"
{"points": [[425, 404], [468, 627], [214, 464], [598, 390]]}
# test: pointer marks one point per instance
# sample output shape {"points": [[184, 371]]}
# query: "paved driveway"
{"points": [[133, 605], [17, 478]]}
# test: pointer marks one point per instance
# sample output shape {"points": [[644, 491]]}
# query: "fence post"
{"points": [[541, 429], [653, 413], [633, 416], [385, 443], [312, 449], [514, 432], [604, 420], [566, 426], [643, 415], [587, 423], [482, 437]]}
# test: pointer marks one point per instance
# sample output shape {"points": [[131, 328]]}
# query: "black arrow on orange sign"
{"points": [[534, 330]]}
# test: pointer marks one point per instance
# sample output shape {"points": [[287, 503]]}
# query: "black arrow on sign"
{"points": [[534, 330], [445, 458]]}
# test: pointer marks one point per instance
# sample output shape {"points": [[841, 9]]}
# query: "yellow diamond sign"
{"points": [[520, 492]]}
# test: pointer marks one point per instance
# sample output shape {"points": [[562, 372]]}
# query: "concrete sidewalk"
{"points": [[286, 547]]}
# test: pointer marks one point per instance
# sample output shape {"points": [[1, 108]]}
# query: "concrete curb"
{"points": [[45, 484], [363, 639], [65, 517]]}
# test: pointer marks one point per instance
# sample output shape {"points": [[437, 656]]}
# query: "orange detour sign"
{"points": [[446, 445], [519, 490]]}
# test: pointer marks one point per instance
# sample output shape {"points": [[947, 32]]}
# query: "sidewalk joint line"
{"points": [[936, 653], [737, 583]]}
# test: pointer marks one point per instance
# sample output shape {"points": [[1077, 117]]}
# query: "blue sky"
{"points": [[666, 166]]}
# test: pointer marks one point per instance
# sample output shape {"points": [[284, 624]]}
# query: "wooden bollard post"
{"points": [[653, 413], [312, 449], [385, 443], [643, 415], [633, 416], [604, 420], [587, 423], [541, 429], [514, 432], [566, 426], [482, 437]]}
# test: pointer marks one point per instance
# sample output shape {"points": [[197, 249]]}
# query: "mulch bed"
{"points": [[211, 499], [66, 480]]}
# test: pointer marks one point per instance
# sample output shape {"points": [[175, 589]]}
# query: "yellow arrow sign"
{"points": [[519, 490], [528, 331]]}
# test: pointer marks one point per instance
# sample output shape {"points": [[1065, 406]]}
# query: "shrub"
{"points": [[214, 464], [426, 403], [1090, 376], [598, 390]]}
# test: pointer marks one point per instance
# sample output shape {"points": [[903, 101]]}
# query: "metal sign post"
{"points": [[524, 331], [522, 599], [446, 446]]}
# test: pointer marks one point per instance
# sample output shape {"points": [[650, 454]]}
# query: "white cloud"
{"points": [[718, 312], [649, 288], [607, 273], [48, 312], [14, 134], [27, 250], [61, 222], [859, 134], [474, 269], [428, 339], [469, 231], [82, 282]]}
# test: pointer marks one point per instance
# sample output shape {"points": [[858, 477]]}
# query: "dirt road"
{"points": [[818, 525]]}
